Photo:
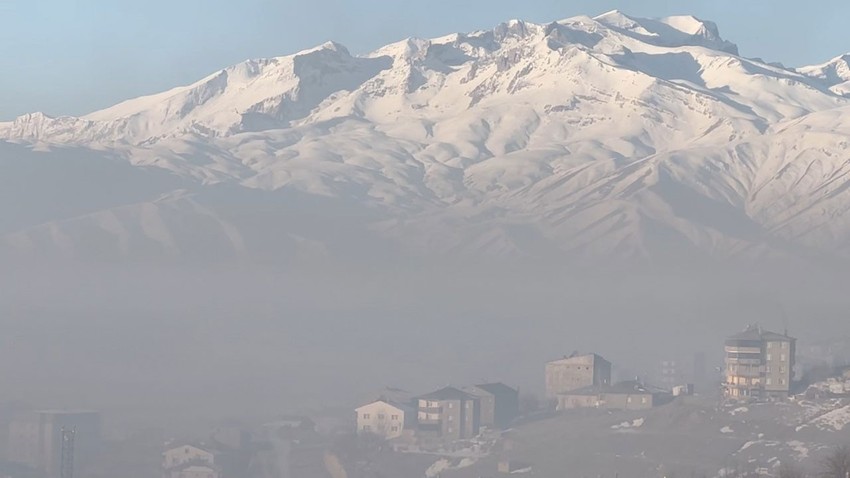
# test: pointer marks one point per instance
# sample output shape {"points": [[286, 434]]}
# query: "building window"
{"points": [[395, 429], [366, 416], [767, 368], [366, 428], [782, 358], [768, 356], [451, 405], [781, 381], [394, 417], [643, 400], [781, 369], [629, 399], [768, 381], [451, 418], [381, 416], [784, 345]]}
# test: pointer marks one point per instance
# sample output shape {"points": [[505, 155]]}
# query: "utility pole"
{"points": [[66, 469]]}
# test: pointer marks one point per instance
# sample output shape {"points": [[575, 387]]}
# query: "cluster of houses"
{"points": [[445, 415], [290, 446]]}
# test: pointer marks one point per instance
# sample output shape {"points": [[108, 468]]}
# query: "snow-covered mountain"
{"points": [[601, 136]]}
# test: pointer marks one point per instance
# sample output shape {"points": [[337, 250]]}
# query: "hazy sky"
{"points": [[75, 56]]}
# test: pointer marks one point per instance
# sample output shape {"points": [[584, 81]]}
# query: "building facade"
{"points": [[35, 440], [498, 403], [190, 461], [449, 414], [384, 418], [631, 395], [575, 372], [759, 364]]}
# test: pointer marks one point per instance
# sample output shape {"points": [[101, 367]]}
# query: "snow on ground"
{"points": [[835, 419], [727, 429], [637, 423], [799, 448]]}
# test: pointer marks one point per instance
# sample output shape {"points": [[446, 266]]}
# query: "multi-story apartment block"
{"points": [[449, 414], [499, 404], [575, 372], [759, 364]]}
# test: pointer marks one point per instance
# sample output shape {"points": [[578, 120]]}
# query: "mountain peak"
{"points": [[329, 45], [678, 30], [835, 74]]}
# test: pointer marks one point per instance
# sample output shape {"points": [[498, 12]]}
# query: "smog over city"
{"points": [[388, 239]]}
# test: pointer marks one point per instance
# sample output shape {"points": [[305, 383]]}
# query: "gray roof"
{"points": [[447, 393], [498, 388], [574, 355], [756, 333]]}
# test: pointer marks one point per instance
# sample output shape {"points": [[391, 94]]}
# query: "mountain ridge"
{"points": [[604, 136]]}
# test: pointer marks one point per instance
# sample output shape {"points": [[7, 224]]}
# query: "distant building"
{"points": [[759, 364], [385, 419], [35, 439], [449, 414], [575, 372], [670, 374], [286, 428], [630, 395], [499, 404]]}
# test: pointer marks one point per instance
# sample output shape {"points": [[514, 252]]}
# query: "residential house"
{"points": [[629, 395], [498, 403], [385, 418], [575, 372], [759, 364], [449, 414]]}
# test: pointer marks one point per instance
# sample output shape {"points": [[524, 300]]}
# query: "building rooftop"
{"points": [[621, 388], [756, 333], [497, 388], [401, 406], [447, 393], [577, 357]]}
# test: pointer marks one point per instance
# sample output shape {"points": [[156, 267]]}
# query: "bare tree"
{"points": [[837, 463]]}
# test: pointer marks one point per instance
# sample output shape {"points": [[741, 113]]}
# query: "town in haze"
{"points": [[477, 430], [388, 239]]}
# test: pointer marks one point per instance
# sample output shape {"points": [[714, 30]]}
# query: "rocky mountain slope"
{"points": [[611, 136]]}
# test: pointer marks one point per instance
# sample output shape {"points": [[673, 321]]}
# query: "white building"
{"points": [[384, 418], [189, 461]]}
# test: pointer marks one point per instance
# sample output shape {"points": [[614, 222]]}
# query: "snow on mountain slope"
{"points": [[835, 73], [611, 135]]}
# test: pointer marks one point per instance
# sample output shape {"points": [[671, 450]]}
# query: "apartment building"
{"points": [[759, 364], [575, 372], [449, 414]]}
